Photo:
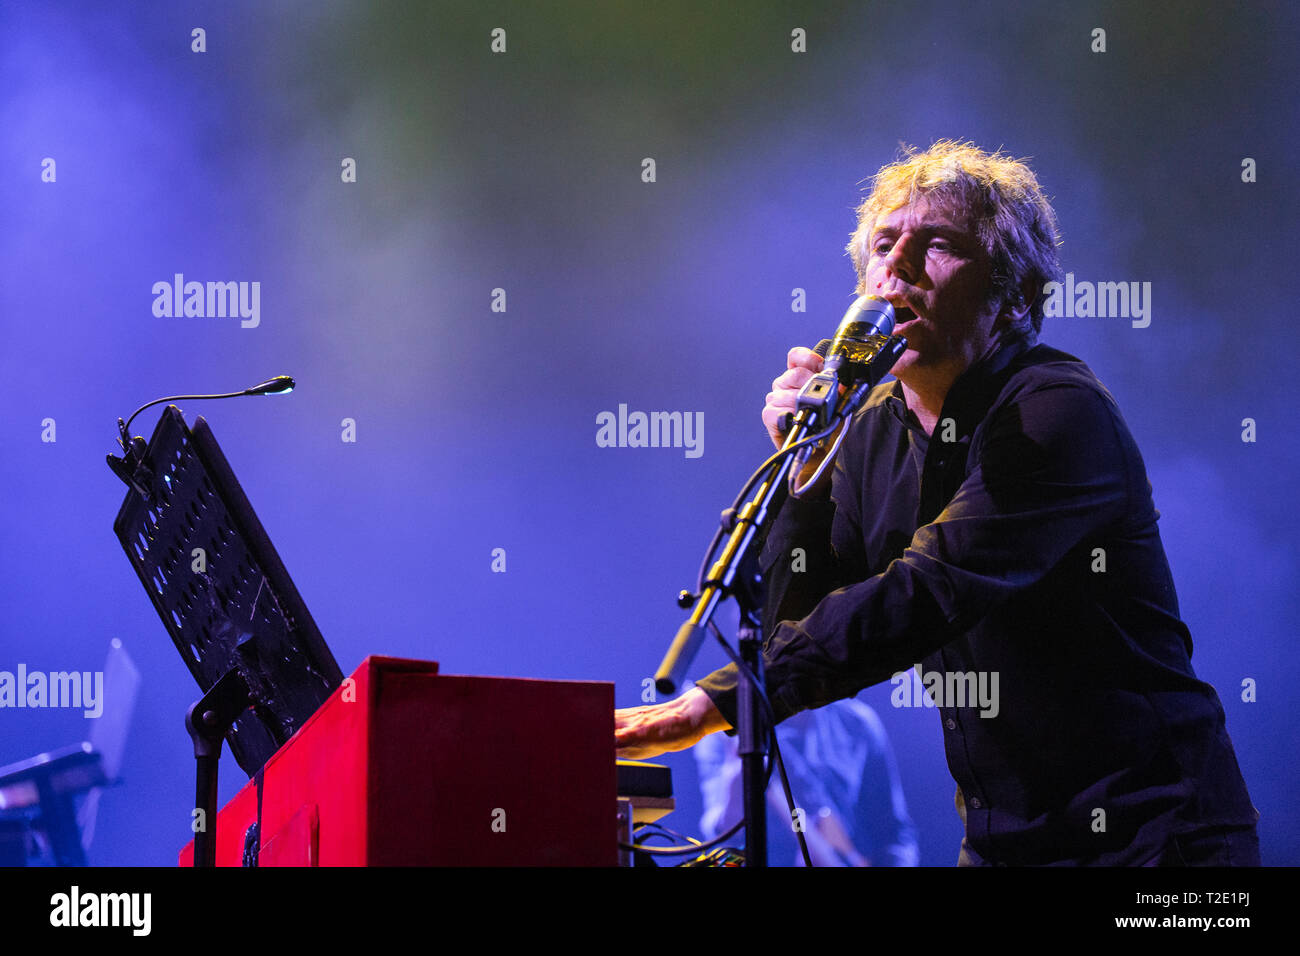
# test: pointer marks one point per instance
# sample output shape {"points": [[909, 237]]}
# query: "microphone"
{"points": [[863, 350], [863, 332]]}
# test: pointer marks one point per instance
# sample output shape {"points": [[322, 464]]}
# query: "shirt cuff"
{"points": [[720, 688]]}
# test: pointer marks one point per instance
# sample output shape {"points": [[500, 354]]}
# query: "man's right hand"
{"points": [[802, 364], [644, 732]]}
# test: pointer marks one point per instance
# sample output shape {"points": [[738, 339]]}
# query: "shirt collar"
{"points": [[971, 395]]}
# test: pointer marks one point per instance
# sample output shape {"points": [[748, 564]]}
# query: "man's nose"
{"points": [[901, 260]]}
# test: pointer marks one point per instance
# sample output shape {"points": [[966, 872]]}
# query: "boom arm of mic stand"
{"points": [[748, 521], [720, 582]]}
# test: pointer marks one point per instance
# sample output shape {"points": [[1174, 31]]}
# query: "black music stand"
{"points": [[227, 601]]}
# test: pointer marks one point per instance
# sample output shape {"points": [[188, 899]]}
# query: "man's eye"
{"points": [[881, 248]]}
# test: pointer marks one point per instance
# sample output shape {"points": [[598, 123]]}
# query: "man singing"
{"points": [[989, 514]]}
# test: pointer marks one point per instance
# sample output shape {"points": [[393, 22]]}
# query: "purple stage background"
{"points": [[522, 171]]}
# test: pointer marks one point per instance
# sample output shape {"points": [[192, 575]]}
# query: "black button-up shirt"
{"points": [[1015, 553]]}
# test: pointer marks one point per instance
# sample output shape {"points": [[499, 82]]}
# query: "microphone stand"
{"points": [[753, 731], [735, 574]]}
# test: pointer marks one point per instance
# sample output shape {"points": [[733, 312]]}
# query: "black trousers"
{"points": [[1211, 846]]}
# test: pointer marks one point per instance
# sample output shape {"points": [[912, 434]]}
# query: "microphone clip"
{"points": [[819, 394], [131, 467]]}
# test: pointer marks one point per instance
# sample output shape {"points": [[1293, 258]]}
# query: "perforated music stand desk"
{"points": [[222, 592]]}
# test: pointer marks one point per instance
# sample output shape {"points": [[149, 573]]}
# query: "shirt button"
{"points": [[975, 802], [950, 724]]}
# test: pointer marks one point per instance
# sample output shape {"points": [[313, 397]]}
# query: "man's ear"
{"points": [[1017, 305], [1028, 295]]}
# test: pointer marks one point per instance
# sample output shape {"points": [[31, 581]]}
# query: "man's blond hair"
{"points": [[1003, 202]]}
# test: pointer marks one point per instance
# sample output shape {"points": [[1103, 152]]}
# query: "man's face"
{"points": [[933, 269]]}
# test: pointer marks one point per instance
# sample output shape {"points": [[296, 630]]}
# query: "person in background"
{"points": [[844, 779]]}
